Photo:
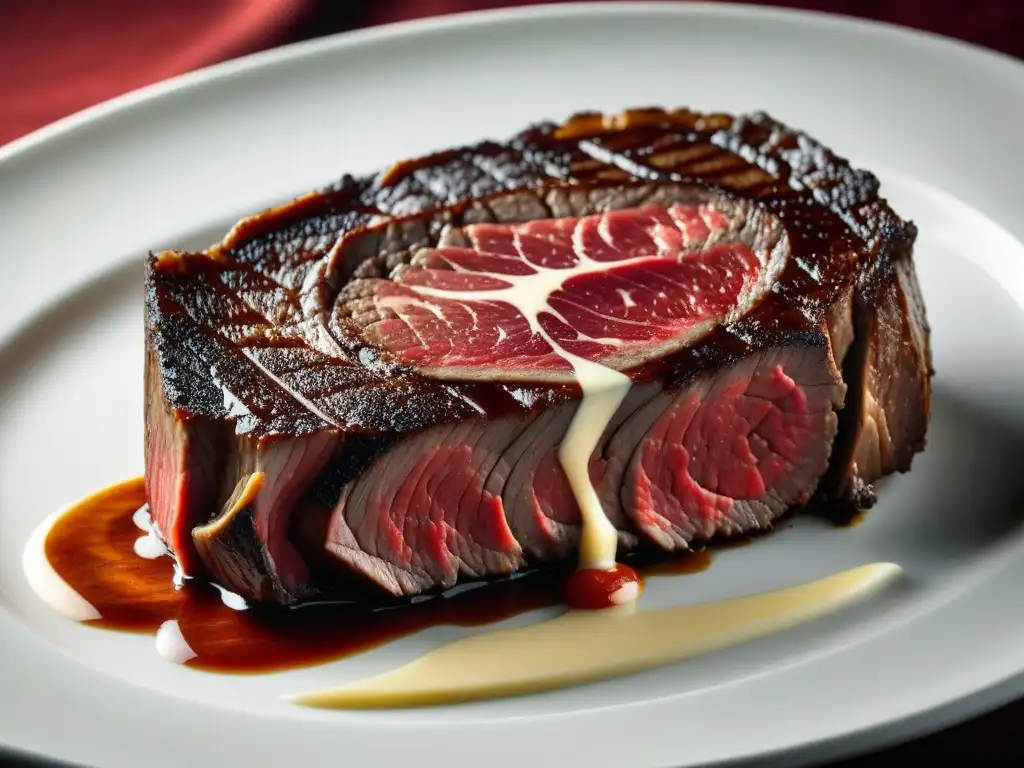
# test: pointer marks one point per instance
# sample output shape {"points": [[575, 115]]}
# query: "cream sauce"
{"points": [[585, 646], [171, 644], [148, 545], [603, 390]]}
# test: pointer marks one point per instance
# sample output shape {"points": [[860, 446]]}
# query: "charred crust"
{"points": [[840, 232]]}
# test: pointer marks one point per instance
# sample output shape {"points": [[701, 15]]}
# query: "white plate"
{"points": [[82, 201]]}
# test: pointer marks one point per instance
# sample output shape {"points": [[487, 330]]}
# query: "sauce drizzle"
{"points": [[603, 390], [586, 646]]}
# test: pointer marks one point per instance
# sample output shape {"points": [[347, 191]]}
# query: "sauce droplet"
{"points": [[591, 589], [171, 644]]}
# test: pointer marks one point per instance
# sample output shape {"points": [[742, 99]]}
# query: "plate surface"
{"points": [[81, 202]]}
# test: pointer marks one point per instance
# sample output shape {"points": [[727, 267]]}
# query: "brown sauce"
{"points": [[92, 548], [694, 562]]}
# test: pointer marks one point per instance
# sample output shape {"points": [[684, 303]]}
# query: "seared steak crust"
{"points": [[259, 362]]}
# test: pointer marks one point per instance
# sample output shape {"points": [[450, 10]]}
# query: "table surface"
{"points": [[59, 85]]}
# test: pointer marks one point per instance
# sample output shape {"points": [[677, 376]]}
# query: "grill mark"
{"points": [[233, 346], [680, 156], [623, 163], [297, 396], [712, 168], [227, 349]]}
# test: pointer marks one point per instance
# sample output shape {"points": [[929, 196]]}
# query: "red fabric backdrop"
{"points": [[60, 56]]}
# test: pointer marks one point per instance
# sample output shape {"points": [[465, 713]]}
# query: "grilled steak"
{"points": [[362, 393]]}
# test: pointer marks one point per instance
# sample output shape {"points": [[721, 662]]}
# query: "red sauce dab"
{"points": [[591, 589]]}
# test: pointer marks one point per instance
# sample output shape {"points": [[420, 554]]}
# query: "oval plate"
{"points": [[82, 201]]}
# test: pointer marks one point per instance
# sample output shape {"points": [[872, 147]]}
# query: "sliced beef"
{"points": [[733, 451], [421, 516], [678, 272], [362, 393], [888, 370]]}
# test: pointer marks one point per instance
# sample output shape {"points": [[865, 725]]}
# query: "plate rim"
{"points": [[294, 51], [887, 732]]}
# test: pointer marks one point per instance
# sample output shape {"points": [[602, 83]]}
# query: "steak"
{"points": [[361, 394]]}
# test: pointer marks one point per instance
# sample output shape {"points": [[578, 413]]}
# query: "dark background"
{"points": [[59, 56]]}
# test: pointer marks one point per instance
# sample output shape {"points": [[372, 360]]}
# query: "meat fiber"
{"points": [[361, 394]]}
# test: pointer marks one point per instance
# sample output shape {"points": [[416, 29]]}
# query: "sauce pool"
{"points": [[101, 563], [101, 549]]}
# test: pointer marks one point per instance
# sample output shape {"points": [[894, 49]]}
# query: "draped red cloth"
{"points": [[997, 24], [60, 56]]}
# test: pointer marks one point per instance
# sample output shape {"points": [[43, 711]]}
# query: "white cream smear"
{"points": [[46, 582], [148, 546], [62, 598], [586, 646], [230, 599], [171, 644]]}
